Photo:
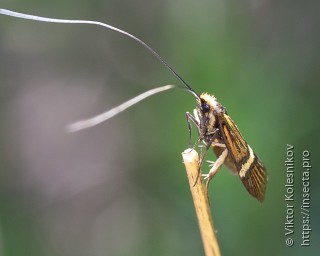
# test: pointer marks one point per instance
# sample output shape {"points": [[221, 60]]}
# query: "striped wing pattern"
{"points": [[251, 171]]}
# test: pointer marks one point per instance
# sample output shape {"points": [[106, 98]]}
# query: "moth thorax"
{"points": [[211, 123]]}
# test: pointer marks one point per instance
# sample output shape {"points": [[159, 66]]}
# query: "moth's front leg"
{"points": [[195, 121]]}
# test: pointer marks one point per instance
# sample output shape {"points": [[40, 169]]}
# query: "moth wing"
{"points": [[256, 180], [251, 171]]}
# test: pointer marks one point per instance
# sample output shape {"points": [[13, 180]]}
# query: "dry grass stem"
{"points": [[201, 203]]}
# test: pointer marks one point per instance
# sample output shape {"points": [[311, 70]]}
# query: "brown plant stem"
{"points": [[201, 203]]}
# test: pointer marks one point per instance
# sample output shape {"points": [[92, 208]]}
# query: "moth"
{"points": [[215, 127], [217, 130]]}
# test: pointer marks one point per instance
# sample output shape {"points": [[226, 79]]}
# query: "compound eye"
{"points": [[205, 107]]}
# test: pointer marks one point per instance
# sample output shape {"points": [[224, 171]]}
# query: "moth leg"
{"points": [[211, 163], [195, 121], [215, 167], [208, 145]]}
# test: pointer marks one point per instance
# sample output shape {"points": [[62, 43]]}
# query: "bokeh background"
{"points": [[120, 188]]}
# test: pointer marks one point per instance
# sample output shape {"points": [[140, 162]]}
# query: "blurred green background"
{"points": [[120, 188]]}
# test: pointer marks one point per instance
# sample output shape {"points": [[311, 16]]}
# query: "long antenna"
{"points": [[52, 20], [93, 121]]}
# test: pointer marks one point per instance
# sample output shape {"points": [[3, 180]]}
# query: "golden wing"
{"points": [[251, 171]]}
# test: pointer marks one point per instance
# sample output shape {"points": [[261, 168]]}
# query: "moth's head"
{"points": [[207, 103]]}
